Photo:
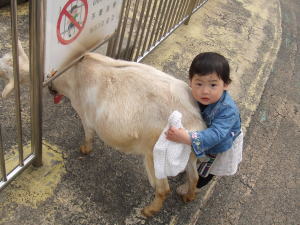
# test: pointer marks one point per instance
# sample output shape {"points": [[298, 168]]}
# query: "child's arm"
{"points": [[215, 134]]}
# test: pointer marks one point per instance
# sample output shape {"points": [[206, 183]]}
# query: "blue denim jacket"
{"points": [[223, 126]]}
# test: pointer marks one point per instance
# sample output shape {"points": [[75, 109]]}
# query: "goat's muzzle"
{"points": [[56, 97]]}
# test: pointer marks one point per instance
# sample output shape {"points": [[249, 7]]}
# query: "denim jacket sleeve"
{"points": [[220, 127]]}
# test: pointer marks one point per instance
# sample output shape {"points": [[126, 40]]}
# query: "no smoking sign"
{"points": [[71, 21], [73, 27]]}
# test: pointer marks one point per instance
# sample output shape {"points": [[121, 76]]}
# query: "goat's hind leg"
{"points": [[161, 186], [86, 147], [192, 179]]}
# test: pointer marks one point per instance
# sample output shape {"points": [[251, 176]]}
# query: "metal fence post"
{"points": [[190, 11], [2, 160], [36, 73], [16, 78]]}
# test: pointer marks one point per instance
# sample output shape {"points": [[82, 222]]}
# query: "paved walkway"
{"points": [[108, 187], [266, 189]]}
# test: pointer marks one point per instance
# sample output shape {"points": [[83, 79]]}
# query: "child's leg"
{"points": [[204, 171], [204, 176], [204, 167]]}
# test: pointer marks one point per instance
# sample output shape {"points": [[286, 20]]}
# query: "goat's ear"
{"points": [[8, 88]]}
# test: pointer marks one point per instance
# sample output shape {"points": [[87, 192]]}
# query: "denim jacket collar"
{"points": [[210, 110]]}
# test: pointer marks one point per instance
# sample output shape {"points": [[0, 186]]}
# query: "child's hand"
{"points": [[178, 135]]}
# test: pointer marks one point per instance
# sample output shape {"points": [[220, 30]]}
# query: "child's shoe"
{"points": [[202, 181]]}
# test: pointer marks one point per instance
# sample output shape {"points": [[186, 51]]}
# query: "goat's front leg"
{"points": [[8, 88], [86, 147], [192, 179], [161, 186]]}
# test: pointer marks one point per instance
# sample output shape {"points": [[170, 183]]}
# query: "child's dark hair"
{"points": [[210, 62]]}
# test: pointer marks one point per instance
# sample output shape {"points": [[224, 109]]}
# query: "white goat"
{"points": [[6, 70], [128, 104]]}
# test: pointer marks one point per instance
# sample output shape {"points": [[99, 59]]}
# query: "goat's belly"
{"points": [[128, 138], [117, 139], [129, 143]]}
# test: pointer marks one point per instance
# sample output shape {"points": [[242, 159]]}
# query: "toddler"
{"points": [[220, 145]]}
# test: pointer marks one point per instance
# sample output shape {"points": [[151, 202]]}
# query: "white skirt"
{"points": [[226, 163]]}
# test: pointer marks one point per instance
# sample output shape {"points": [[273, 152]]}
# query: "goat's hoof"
{"points": [[148, 212], [188, 197], [85, 149]]}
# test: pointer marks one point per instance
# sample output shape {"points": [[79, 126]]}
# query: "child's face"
{"points": [[207, 89]]}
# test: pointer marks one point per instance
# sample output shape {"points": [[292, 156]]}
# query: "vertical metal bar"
{"points": [[36, 73], [159, 27], [131, 28], [139, 46], [196, 3], [123, 28], [112, 44], [168, 20], [149, 26], [190, 11], [175, 13], [16, 78], [185, 10], [141, 19], [2, 160], [180, 14], [159, 17]]}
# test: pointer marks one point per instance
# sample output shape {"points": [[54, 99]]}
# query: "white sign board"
{"points": [[75, 26]]}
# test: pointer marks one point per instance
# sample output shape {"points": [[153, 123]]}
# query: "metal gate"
{"points": [[35, 156], [143, 25], [150, 23]]}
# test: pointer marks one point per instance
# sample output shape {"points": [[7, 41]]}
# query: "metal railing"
{"points": [[144, 24], [35, 157]]}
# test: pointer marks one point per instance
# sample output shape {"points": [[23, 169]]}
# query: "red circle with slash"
{"points": [[76, 24]]}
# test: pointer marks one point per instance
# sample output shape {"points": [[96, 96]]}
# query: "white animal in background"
{"points": [[6, 70]]}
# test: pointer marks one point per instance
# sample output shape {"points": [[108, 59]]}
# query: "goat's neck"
{"points": [[65, 83]]}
